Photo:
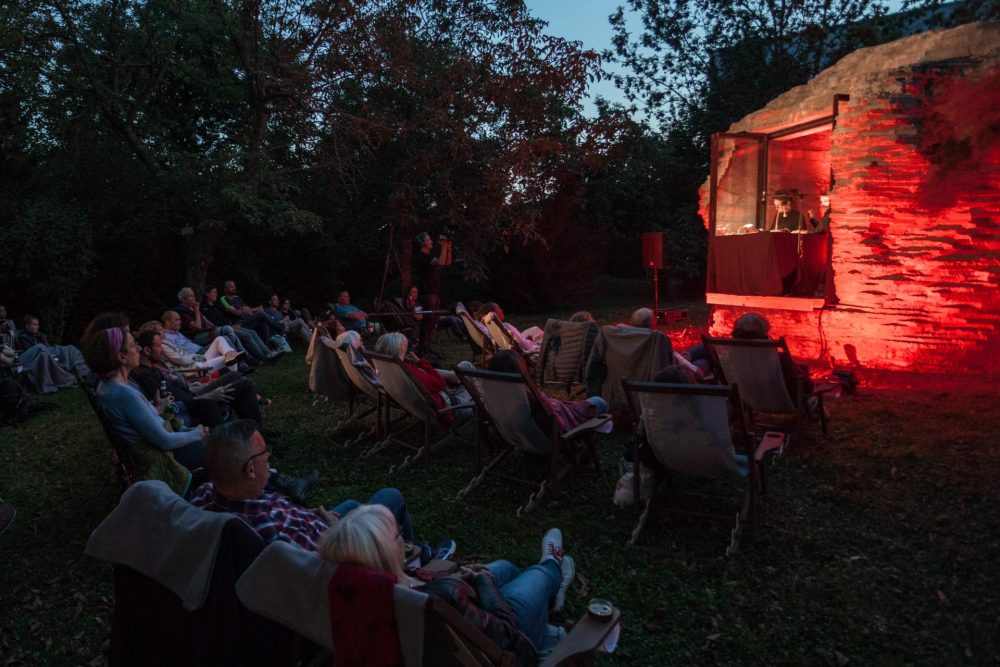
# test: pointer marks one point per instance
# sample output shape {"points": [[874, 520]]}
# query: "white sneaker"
{"points": [[624, 495], [624, 491], [552, 545], [568, 572]]}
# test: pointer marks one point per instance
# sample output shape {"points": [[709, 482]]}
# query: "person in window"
{"points": [[785, 218]]}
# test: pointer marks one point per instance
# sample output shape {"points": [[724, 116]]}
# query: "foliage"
{"points": [[47, 252], [710, 62]]}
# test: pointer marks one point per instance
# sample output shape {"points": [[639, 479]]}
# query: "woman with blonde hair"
{"points": [[509, 605]]}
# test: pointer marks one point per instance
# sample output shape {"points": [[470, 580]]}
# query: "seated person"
{"points": [[352, 317], [568, 414], [158, 454], [296, 313], [38, 366], [642, 318], [351, 341], [236, 460], [529, 341], [786, 218], [444, 387], [509, 605], [68, 357], [624, 494], [247, 338], [756, 327], [291, 327], [181, 351], [582, 316], [204, 402], [197, 326], [247, 317]]}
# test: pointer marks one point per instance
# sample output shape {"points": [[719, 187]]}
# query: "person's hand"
{"points": [[196, 307], [223, 394], [329, 518], [470, 572], [162, 400]]}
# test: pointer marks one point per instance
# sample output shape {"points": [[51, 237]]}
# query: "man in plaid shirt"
{"points": [[236, 460]]}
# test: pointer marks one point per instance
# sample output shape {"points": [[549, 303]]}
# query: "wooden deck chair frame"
{"points": [[361, 387], [481, 343], [559, 462], [122, 462], [415, 402], [743, 443], [760, 420]]}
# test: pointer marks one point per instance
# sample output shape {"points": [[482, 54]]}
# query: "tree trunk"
{"points": [[200, 248]]}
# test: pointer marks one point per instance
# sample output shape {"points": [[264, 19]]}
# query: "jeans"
{"points": [[253, 343], [390, 498], [530, 593], [190, 456]]}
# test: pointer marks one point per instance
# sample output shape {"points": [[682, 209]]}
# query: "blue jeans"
{"points": [[530, 593], [390, 498], [253, 344]]}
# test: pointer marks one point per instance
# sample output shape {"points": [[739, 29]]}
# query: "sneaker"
{"points": [[624, 495], [234, 357], [568, 573], [445, 550], [552, 545]]}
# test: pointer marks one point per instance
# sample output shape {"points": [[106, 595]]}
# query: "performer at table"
{"points": [[785, 217]]}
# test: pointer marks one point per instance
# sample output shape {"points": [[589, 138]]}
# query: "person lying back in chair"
{"points": [[236, 460], [509, 605], [529, 340]]}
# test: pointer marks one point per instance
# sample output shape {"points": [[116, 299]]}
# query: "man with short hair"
{"points": [[205, 403], [353, 318], [236, 460], [291, 327], [68, 357], [181, 351], [240, 313], [197, 326]]}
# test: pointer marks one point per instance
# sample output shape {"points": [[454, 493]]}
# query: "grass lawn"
{"points": [[880, 541]]}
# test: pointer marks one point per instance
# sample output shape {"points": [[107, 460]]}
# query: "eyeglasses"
{"points": [[267, 452]]}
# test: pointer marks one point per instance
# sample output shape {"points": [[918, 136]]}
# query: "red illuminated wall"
{"points": [[916, 224]]}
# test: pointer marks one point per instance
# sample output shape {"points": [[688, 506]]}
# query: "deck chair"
{"points": [[625, 352], [688, 431], [122, 462], [430, 631], [397, 318], [481, 343], [175, 571], [327, 378], [504, 403], [763, 370], [407, 394], [368, 417], [564, 352]]}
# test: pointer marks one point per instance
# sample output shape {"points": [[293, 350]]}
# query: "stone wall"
{"points": [[916, 225]]}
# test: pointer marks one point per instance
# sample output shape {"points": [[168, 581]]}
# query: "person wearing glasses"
{"points": [[236, 460]]}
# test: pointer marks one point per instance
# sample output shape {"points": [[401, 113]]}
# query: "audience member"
{"points": [[352, 343], [508, 605], [181, 351], [296, 313], [38, 366], [352, 317], [245, 316], [69, 357], [529, 340], [753, 326], [205, 402], [158, 454], [248, 338], [642, 318], [198, 326], [581, 316], [444, 387], [236, 460], [290, 326]]}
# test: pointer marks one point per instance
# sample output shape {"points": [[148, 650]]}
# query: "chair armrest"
{"points": [[589, 425], [586, 637], [771, 440]]}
